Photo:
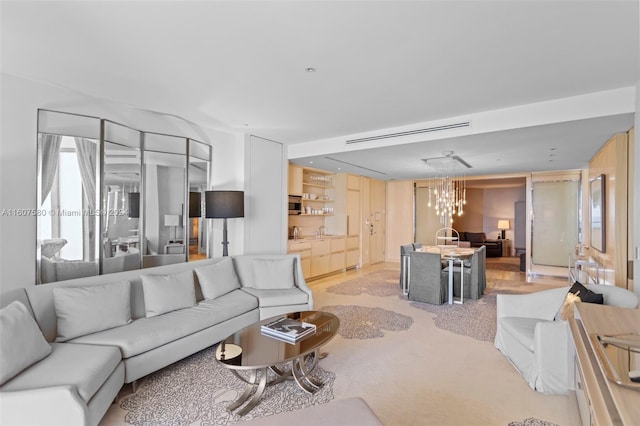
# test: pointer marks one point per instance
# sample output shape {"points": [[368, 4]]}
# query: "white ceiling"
{"points": [[240, 65]]}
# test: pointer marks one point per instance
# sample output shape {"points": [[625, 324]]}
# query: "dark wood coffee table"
{"points": [[255, 353]]}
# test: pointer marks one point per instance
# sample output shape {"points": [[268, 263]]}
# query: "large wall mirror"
{"points": [[122, 179], [112, 198]]}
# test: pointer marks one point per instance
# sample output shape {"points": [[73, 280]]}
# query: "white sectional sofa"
{"points": [[535, 339], [132, 324]]}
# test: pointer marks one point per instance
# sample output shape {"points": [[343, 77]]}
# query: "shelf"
{"points": [[306, 200], [317, 185], [321, 214]]}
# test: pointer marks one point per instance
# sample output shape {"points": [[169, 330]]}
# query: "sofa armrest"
{"points": [[551, 352], [57, 405], [542, 305], [301, 283]]}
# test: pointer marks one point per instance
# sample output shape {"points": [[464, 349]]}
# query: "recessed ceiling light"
{"points": [[311, 162], [310, 69]]}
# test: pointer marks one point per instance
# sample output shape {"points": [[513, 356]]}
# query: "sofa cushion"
{"points": [[522, 329], [279, 297], [86, 367], [217, 279], [86, 310], [21, 341], [145, 334], [577, 293], [166, 293], [273, 273]]}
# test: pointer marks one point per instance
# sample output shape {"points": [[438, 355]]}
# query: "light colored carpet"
{"points": [[379, 283]]}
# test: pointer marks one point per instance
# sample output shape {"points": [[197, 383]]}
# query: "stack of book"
{"points": [[288, 330]]}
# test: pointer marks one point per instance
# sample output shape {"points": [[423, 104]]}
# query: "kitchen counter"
{"points": [[315, 237]]}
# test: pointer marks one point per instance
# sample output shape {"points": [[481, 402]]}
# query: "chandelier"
{"points": [[448, 190]]}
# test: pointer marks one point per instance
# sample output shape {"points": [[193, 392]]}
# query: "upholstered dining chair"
{"points": [[474, 271], [404, 266], [427, 281]]}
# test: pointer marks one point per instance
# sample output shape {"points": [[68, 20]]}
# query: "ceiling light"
{"points": [[310, 69], [449, 188]]}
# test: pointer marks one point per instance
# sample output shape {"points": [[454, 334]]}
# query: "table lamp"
{"points": [[172, 220], [503, 224], [224, 205]]}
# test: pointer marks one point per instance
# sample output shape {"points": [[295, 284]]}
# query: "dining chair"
{"points": [[427, 281], [472, 282], [404, 267]]}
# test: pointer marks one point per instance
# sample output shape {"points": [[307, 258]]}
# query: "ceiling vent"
{"points": [[412, 132]]}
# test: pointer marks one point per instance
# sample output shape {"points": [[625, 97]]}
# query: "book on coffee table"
{"points": [[288, 329]]}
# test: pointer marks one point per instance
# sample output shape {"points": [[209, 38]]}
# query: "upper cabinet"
{"points": [[295, 180]]}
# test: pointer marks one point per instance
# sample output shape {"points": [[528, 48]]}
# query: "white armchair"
{"points": [[534, 343]]}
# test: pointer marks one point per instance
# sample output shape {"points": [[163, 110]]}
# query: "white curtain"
{"points": [[86, 151], [50, 157]]}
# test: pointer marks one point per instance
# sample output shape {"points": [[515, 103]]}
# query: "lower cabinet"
{"points": [[353, 251], [323, 255], [303, 248], [320, 265]]}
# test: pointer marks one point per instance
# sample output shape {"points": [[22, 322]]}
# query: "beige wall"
{"points": [[611, 161], [499, 203], [471, 219]]}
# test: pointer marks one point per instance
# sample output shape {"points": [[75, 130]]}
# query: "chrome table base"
{"points": [[257, 381]]}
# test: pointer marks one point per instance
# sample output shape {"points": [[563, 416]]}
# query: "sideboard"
{"points": [[600, 400]]}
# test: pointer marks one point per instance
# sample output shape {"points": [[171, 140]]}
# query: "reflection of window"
{"points": [[70, 198], [64, 204]]}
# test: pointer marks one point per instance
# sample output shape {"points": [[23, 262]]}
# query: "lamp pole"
{"points": [[225, 242]]}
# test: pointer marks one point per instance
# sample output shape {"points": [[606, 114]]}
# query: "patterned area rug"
{"points": [[360, 322], [380, 283], [197, 390], [531, 421]]}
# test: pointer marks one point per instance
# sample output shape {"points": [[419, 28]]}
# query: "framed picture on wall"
{"points": [[597, 215]]}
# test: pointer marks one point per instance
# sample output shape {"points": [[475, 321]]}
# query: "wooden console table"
{"points": [[600, 400]]}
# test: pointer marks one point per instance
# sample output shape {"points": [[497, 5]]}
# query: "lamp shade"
{"points": [[171, 220], [503, 224], [134, 204], [195, 206], [224, 204]]}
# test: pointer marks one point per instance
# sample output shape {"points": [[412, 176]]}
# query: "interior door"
{"points": [[377, 225]]}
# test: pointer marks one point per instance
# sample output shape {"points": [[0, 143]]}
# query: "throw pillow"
{"points": [[217, 279], [273, 273], [166, 293], [85, 310], [21, 341], [578, 293]]}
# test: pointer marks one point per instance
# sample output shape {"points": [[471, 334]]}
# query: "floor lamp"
{"points": [[224, 205]]}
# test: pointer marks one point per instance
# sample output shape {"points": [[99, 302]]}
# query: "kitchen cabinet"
{"points": [[352, 251], [303, 248], [295, 180]]}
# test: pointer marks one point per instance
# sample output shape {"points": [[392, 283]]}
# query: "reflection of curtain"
{"points": [[86, 153], [50, 154]]}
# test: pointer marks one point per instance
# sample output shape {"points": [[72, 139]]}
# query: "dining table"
{"points": [[452, 254]]}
